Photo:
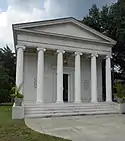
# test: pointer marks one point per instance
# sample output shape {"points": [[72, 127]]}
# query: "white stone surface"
{"points": [[42, 72], [122, 108], [93, 78], [63, 34], [50, 78], [67, 29], [70, 45], [17, 112], [68, 109], [59, 76], [40, 75], [77, 77], [108, 79], [20, 67]]}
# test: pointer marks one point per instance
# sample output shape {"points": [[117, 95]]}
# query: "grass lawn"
{"points": [[16, 130]]}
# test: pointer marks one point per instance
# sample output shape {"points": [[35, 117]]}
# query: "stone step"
{"points": [[69, 105], [66, 108], [70, 114], [67, 111]]}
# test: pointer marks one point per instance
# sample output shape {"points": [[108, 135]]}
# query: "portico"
{"points": [[59, 68], [60, 61]]}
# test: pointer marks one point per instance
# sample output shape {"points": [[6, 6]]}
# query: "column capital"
{"points": [[58, 51], [94, 55], [108, 56], [78, 53], [40, 48], [20, 46]]}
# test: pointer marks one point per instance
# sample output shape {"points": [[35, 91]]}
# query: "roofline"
{"points": [[60, 20], [39, 21], [95, 31]]}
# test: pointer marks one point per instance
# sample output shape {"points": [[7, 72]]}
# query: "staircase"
{"points": [[68, 109]]}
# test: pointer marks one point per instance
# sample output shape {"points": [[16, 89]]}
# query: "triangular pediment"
{"points": [[66, 26], [67, 29]]}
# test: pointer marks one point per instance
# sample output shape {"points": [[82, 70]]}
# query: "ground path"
{"points": [[85, 128]]}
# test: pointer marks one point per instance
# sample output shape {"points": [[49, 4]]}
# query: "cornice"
{"points": [[42, 33], [62, 21]]}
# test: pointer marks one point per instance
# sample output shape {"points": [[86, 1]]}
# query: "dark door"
{"points": [[65, 87]]}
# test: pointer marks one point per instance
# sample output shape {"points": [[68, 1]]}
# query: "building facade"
{"points": [[60, 61]]}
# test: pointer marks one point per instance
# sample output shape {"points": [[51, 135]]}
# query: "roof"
{"points": [[28, 25]]}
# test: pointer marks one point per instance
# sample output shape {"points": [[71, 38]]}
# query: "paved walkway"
{"points": [[86, 128]]}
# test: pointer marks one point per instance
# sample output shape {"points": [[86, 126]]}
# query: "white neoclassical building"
{"points": [[60, 61]]}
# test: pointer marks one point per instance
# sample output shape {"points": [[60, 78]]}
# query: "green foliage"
{"points": [[93, 19], [120, 91], [15, 92], [16, 130], [7, 73], [110, 20]]}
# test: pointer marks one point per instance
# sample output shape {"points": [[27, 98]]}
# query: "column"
{"points": [[108, 80], [77, 77], [19, 67], [40, 75], [60, 76], [93, 78]]}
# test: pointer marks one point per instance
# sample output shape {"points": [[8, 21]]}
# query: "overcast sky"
{"points": [[15, 11]]}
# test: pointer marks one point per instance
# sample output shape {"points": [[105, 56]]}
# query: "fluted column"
{"points": [[20, 67], [77, 77], [93, 78], [60, 76], [108, 79], [40, 75]]}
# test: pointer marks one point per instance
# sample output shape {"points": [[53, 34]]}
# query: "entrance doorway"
{"points": [[65, 87]]}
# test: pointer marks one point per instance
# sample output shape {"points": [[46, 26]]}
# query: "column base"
{"points": [[59, 102], [78, 101], [94, 101], [39, 102], [108, 101]]}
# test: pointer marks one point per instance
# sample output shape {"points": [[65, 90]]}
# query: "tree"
{"points": [[8, 61], [7, 73], [110, 20]]}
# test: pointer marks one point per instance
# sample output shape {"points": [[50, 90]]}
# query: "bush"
{"points": [[120, 92], [15, 92]]}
